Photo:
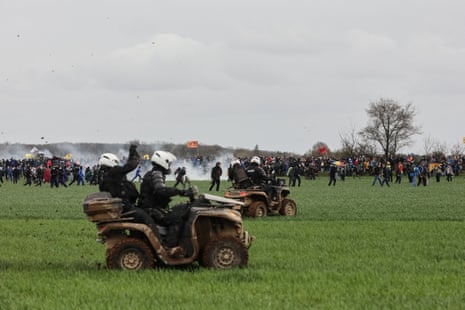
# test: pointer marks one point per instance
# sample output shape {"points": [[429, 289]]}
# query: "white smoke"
{"points": [[68, 150], [194, 169], [17, 151]]}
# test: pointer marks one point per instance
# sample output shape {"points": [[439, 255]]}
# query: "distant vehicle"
{"points": [[257, 201]]}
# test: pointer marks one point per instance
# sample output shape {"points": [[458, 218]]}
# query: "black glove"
{"points": [[181, 192], [133, 152], [185, 192]]}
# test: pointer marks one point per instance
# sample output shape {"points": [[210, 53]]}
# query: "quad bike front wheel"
{"points": [[225, 253], [130, 254], [288, 207], [257, 209]]}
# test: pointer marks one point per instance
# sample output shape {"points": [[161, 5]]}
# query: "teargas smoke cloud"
{"points": [[195, 169]]}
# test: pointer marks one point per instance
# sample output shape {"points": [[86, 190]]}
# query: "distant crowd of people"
{"points": [[418, 171], [58, 172], [54, 172]]}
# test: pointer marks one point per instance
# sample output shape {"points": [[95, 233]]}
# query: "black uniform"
{"points": [[216, 176], [238, 175], [256, 174], [259, 178], [115, 182], [155, 198]]}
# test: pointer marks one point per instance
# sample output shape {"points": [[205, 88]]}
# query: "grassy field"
{"points": [[351, 246]]}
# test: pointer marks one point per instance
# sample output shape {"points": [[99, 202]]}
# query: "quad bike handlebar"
{"points": [[192, 193]]}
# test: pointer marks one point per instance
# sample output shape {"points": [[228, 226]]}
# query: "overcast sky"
{"points": [[282, 75]]}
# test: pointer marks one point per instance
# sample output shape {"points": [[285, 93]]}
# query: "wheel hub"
{"points": [[131, 260], [225, 257]]}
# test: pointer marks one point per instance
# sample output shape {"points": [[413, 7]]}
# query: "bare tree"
{"points": [[349, 142], [457, 149], [434, 147], [428, 145], [390, 125], [440, 149], [367, 148]]}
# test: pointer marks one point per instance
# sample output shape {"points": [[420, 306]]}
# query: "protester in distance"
{"points": [[215, 176], [181, 177], [387, 173], [332, 174], [137, 175], [449, 173], [294, 174], [399, 172], [377, 175]]}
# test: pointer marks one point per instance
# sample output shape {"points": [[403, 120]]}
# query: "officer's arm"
{"points": [[159, 187]]}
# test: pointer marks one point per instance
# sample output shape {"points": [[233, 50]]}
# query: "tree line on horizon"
{"points": [[390, 128]]}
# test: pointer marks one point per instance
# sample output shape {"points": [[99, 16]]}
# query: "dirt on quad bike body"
{"points": [[263, 200], [212, 235]]}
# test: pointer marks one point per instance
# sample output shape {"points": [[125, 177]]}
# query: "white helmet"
{"points": [[108, 160], [235, 161], [255, 160], [163, 159]]}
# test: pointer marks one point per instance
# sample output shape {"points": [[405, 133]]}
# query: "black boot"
{"points": [[173, 235]]}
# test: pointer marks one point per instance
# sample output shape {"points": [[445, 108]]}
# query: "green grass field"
{"points": [[351, 246]]}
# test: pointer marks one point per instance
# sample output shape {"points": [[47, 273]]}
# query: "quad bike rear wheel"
{"points": [[225, 253], [288, 207], [130, 254], [257, 209]]}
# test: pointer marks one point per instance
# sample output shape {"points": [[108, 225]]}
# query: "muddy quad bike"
{"points": [[212, 235], [260, 201]]}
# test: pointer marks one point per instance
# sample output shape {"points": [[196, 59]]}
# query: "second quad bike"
{"points": [[259, 201], [213, 234]]}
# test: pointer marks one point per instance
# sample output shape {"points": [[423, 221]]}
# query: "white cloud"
{"points": [[163, 62], [280, 75]]}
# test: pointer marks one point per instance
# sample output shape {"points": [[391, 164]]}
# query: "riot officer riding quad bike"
{"points": [[259, 201], [213, 234]]}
